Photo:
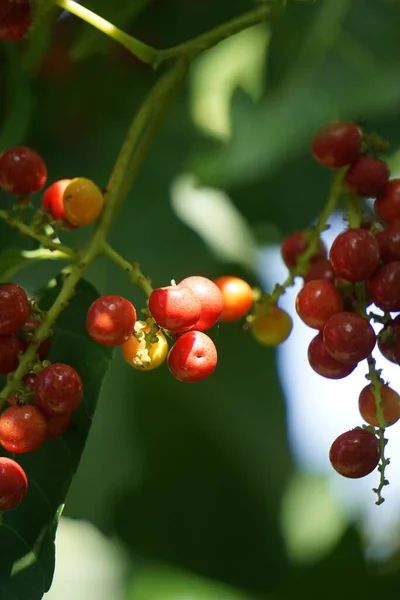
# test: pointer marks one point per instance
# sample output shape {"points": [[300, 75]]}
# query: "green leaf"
{"points": [[27, 533], [18, 102], [327, 72], [162, 583], [11, 261]]}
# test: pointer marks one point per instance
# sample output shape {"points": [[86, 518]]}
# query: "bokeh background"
{"points": [[220, 490]]}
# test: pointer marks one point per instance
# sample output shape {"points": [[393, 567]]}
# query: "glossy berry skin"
{"points": [[15, 19], [83, 201], [367, 177], [387, 206], [317, 301], [296, 244], [133, 348], [273, 328], [29, 379], [237, 295], [336, 144], [211, 300], [110, 320], [22, 428], [323, 363], [10, 347], [389, 242], [13, 483], [355, 254], [384, 287], [368, 408], [58, 389], [57, 425], [193, 357], [355, 453], [389, 341], [175, 308], [22, 171], [14, 308], [53, 199], [29, 329], [348, 337], [320, 270]]}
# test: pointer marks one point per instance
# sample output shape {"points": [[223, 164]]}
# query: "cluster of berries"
{"points": [[180, 312], [42, 407], [68, 202], [15, 19], [363, 268]]}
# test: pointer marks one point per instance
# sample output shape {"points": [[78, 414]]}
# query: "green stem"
{"points": [[199, 44], [190, 49], [149, 119], [42, 239], [353, 211], [133, 269], [303, 262], [376, 385], [142, 51]]}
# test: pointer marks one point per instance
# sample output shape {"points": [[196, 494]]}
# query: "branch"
{"points": [[29, 231]]}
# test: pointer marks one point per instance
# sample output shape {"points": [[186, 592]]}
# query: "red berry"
{"points": [[22, 429], [389, 242], [320, 270], [28, 330], [355, 254], [367, 177], [110, 320], [389, 341], [15, 19], [22, 171], [387, 206], [53, 200], [57, 425], [296, 244], [58, 389], [355, 453], [211, 300], [348, 337], [14, 308], [10, 347], [13, 483], [175, 308], [29, 379], [368, 408], [336, 144], [237, 295], [193, 357], [323, 363], [317, 301], [384, 287]]}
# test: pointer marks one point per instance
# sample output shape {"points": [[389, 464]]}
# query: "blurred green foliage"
{"points": [[194, 476]]}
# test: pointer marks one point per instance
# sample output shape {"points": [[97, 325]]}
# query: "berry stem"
{"points": [[374, 376], [142, 51], [44, 240], [353, 211], [303, 262], [190, 49], [133, 269]]}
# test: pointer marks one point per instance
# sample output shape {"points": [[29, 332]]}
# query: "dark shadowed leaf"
{"points": [[28, 532]]}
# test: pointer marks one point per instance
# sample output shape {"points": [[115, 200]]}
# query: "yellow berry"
{"points": [[135, 353], [83, 201], [272, 328]]}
